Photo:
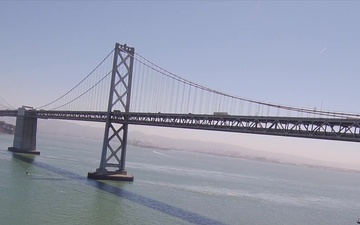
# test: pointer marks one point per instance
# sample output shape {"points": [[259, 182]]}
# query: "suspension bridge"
{"points": [[128, 89]]}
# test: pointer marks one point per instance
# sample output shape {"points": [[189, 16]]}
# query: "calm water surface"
{"points": [[170, 187]]}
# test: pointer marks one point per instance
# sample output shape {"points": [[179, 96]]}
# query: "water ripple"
{"points": [[145, 201]]}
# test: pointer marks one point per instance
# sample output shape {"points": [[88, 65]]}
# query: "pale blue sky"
{"points": [[300, 53]]}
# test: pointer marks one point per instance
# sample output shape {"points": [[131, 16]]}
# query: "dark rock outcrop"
{"points": [[6, 128]]}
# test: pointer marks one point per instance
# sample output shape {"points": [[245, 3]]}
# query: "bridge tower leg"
{"points": [[112, 162], [25, 134]]}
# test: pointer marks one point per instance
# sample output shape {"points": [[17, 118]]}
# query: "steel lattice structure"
{"points": [[318, 128], [115, 137]]}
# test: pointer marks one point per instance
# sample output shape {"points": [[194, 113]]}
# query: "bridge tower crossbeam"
{"points": [[112, 162]]}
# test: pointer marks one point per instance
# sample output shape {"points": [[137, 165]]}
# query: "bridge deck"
{"points": [[319, 128]]}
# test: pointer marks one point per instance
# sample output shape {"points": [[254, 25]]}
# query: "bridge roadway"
{"points": [[318, 128]]}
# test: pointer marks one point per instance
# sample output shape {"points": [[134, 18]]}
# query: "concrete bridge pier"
{"points": [[25, 134]]}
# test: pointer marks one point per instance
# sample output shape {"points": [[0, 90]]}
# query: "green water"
{"points": [[170, 187]]}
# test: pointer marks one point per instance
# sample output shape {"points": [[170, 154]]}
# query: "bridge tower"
{"points": [[112, 162], [25, 133]]}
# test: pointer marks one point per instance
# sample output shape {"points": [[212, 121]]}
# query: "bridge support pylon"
{"points": [[25, 134], [112, 162]]}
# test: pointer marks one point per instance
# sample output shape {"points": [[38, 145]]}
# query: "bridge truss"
{"points": [[339, 129]]}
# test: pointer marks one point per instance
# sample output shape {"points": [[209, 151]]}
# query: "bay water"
{"points": [[170, 187]]}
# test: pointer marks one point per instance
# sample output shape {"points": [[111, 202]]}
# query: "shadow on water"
{"points": [[47, 178], [145, 201]]}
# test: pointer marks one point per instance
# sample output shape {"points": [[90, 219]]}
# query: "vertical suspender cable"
{"points": [[177, 96], [188, 100], [183, 99], [195, 101]]}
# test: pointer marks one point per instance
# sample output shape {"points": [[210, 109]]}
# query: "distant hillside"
{"points": [[6, 128], [66, 128]]}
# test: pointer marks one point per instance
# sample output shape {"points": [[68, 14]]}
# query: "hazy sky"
{"points": [[300, 53]]}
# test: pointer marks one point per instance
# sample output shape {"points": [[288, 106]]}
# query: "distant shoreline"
{"points": [[255, 158], [10, 129]]}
